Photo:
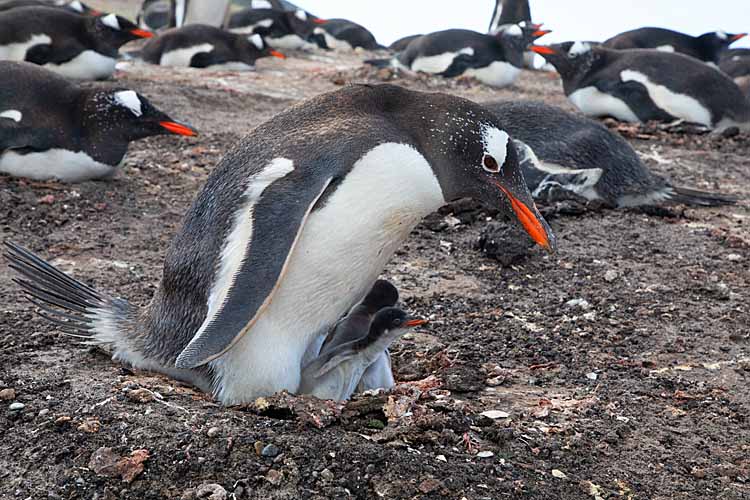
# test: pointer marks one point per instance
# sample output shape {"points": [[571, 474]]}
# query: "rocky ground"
{"points": [[616, 368]]}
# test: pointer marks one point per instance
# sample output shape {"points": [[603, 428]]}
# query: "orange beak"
{"points": [[539, 33], [141, 33], [542, 50], [737, 37], [317, 20], [276, 53], [95, 13], [179, 129], [530, 222], [415, 322]]}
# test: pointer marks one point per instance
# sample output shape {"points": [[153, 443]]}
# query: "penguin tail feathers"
{"points": [[687, 196], [75, 308], [380, 63]]}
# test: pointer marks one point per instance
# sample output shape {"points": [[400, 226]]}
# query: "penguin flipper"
{"points": [[460, 63], [45, 54], [636, 96], [274, 235]]}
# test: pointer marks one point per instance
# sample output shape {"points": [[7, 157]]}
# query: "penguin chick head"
{"points": [[382, 294], [391, 322], [115, 31], [127, 115]]}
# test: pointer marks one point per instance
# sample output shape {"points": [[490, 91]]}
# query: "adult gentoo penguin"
{"points": [[257, 271], [402, 43], [76, 46], [54, 129], [336, 374], [642, 85], [563, 153], [281, 29], [71, 5], [342, 34], [509, 12], [203, 46], [706, 47]]}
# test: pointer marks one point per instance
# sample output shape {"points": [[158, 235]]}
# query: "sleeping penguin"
{"points": [[281, 29]]}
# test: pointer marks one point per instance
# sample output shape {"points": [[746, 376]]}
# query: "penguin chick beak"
{"points": [[531, 220], [179, 128], [415, 322], [543, 50], [276, 53], [141, 33], [736, 37]]}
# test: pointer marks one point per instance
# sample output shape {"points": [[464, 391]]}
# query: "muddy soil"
{"points": [[616, 368]]}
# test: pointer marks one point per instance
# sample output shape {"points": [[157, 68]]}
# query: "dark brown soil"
{"points": [[622, 362]]}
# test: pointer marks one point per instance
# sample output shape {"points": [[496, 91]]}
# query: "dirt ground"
{"points": [[616, 368]]}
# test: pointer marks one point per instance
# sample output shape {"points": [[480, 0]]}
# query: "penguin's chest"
{"points": [[438, 63], [88, 65], [17, 51], [496, 74], [57, 163], [342, 249]]}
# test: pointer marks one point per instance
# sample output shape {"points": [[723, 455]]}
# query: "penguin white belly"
{"points": [[437, 63], [676, 104], [497, 74], [88, 65], [67, 166], [333, 42], [182, 57], [592, 102], [378, 375], [17, 51], [341, 251], [290, 42]]}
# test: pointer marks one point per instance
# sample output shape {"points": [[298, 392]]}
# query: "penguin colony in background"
{"points": [[237, 312]]}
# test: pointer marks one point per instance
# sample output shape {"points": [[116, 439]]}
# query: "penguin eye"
{"points": [[396, 321], [489, 163]]}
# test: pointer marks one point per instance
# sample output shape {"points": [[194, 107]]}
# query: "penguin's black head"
{"points": [[126, 115], [254, 47], [715, 42], [115, 31], [514, 43], [568, 58], [382, 294], [390, 319], [303, 24]]}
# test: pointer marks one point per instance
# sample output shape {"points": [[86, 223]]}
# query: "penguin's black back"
{"points": [[651, 38], [228, 46], [356, 35], [402, 43], [18, 25], [250, 16], [452, 40]]}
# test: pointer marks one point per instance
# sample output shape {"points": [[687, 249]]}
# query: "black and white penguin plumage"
{"points": [[75, 46], [203, 46], [509, 12], [342, 34], [402, 43], [706, 47], [736, 64], [255, 272], [74, 6], [281, 29], [495, 60], [566, 153], [641, 85], [50, 128], [336, 374]]}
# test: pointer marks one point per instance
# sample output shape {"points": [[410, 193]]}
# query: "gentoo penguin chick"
{"points": [[509, 12], [495, 60], [256, 271], [203, 46], [642, 85], [71, 5], [707, 47], [75, 46], [355, 326], [281, 29], [54, 129], [342, 34], [336, 373], [564, 153]]}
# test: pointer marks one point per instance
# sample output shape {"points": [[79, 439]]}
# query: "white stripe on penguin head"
{"points": [[256, 40], [129, 99], [12, 114], [111, 21]]}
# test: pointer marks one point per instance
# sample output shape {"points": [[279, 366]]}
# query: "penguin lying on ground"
{"points": [[493, 59], [281, 29], [354, 326], [342, 34], [336, 373], [76, 46], [736, 64], [54, 129], [642, 85], [256, 271], [71, 5], [203, 46], [707, 47], [565, 154]]}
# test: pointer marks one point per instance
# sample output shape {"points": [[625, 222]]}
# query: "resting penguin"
{"points": [[402, 43], [72, 45], [641, 85], [203, 46], [269, 254], [707, 47], [342, 34], [566, 153], [336, 374], [71, 5], [281, 29], [54, 129], [509, 12], [494, 60]]}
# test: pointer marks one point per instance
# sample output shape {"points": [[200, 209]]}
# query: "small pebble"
{"points": [[592, 376], [212, 432], [270, 450], [485, 454], [610, 276], [259, 447], [43, 412], [327, 475], [16, 406], [273, 476], [7, 394]]}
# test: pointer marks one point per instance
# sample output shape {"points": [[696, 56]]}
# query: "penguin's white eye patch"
{"points": [[111, 21], [256, 40], [12, 114], [301, 15], [76, 6], [721, 34], [579, 48], [489, 163], [514, 30], [129, 99]]}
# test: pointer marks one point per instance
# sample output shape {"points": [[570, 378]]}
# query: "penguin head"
{"points": [[126, 115], [382, 294], [514, 42], [256, 47], [715, 42], [303, 24], [115, 31], [392, 322], [570, 59], [81, 8]]}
